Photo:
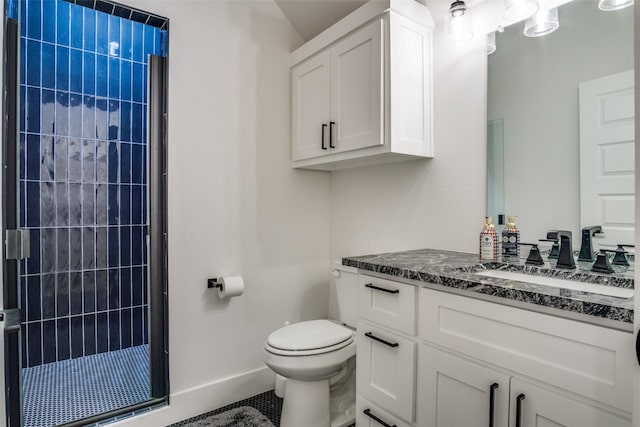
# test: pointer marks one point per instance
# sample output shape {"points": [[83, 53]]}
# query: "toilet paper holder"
{"points": [[213, 283]]}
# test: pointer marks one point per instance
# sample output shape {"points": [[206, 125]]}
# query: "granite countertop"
{"points": [[457, 270]]}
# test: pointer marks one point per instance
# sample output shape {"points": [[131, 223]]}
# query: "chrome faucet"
{"points": [[586, 248], [565, 258]]}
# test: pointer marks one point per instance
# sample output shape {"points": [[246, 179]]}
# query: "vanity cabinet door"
{"points": [[386, 370], [454, 392], [543, 408], [356, 89], [310, 106]]}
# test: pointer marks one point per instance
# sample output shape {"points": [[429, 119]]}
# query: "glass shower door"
{"points": [[82, 188]]}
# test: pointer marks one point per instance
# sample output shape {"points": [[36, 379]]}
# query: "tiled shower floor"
{"points": [[60, 392]]}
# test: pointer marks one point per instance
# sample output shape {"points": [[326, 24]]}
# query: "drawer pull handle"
{"points": [[324, 126], [368, 413], [519, 400], [492, 399], [385, 342], [390, 291], [331, 124]]}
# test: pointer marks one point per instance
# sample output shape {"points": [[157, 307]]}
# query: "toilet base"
{"points": [[306, 403]]}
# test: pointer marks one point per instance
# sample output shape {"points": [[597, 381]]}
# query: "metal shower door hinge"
{"points": [[17, 244], [10, 320]]}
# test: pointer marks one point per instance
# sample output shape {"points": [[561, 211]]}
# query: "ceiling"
{"points": [[311, 17]]}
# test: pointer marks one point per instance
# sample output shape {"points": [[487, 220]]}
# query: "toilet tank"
{"points": [[346, 279]]}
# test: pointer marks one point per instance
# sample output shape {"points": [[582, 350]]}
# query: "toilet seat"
{"points": [[309, 338]]}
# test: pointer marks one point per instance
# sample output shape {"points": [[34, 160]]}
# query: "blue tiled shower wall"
{"points": [[83, 184]]}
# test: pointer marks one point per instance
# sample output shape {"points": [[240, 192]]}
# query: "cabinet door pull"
{"points": [[368, 413], [638, 347], [385, 342], [492, 400], [331, 134], [324, 126], [519, 400], [391, 291]]}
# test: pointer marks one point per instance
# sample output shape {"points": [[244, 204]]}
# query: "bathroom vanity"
{"points": [[442, 341]]}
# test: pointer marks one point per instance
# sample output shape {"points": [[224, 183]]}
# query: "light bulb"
{"points": [[491, 43], [459, 21], [542, 23], [609, 5]]}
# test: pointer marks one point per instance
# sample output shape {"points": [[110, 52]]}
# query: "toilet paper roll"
{"points": [[230, 286]]}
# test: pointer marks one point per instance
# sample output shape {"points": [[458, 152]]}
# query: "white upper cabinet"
{"points": [[357, 89], [361, 91], [311, 87]]}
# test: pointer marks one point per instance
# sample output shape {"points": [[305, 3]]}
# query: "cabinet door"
{"points": [[386, 370], [454, 392], [310, 106], [357, 89], [542, 408]]}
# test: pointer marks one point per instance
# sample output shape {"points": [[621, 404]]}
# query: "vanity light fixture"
{"points": [[542, 23], [491, 43], [609, 5], [459, 21], [516, 10]]}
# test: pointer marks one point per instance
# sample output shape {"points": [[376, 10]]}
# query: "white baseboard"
{"points": [[198, 400]]}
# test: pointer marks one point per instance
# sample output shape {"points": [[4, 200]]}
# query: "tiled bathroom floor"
{"points": [[267, 403], [56, 393]]}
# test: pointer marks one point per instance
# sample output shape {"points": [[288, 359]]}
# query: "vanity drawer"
{"points": [[373, 416], [386, 370], [388, 303], [589, 360]]}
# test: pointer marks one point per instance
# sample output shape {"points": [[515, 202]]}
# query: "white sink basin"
{"points": [[560, 283]]}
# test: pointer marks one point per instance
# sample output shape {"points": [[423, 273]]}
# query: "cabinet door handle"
{"points": [[492, 401], [385, 342], [324, 126], [519, 400], [638, 347], [391, 291], [368, 413], [331, 134]]}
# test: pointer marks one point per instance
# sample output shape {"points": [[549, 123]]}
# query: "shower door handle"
{"points": [[10, 320]]}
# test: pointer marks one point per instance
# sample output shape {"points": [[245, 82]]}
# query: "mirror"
{"points": [[560, 126]]}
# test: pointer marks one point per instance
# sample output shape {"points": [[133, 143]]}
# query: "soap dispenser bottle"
{"points": [[489, 241], [511, 239]]}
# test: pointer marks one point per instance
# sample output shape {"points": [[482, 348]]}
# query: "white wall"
{"points": [[435, 203], [439, 202], [533, 86], [235, 205]]}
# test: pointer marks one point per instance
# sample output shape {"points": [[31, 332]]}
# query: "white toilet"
{"points": [[317, 357]]}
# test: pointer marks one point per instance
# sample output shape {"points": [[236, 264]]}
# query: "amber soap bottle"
{"points": [[489, 241]]}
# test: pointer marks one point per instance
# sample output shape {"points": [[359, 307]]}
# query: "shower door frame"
{"points": [[12, 391], [157, 86]]}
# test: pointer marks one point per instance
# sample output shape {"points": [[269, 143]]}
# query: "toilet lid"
{"points": [[309, 335]]}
